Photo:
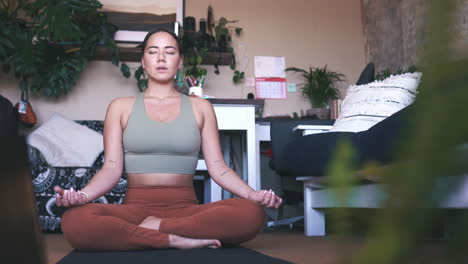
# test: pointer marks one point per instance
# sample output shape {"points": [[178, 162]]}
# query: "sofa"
{"points": [[46, 176], [372, 115], [294, 154], [375, 133]]}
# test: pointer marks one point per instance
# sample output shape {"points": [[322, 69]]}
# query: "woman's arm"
{"points": [[110, 173], [219, 171]]}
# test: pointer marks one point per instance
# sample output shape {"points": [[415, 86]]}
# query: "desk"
{"points": [[312, 129], [236, 114], [239, 114]]}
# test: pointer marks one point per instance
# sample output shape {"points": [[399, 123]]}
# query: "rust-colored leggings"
{"points": [[115, 226]]}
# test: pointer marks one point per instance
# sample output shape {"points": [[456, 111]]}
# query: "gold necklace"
{"points": [[162, 98]]}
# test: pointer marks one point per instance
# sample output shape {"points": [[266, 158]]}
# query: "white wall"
{"points": [[306, 32]]}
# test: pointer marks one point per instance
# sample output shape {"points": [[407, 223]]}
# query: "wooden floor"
{"points": [[285, 244]]}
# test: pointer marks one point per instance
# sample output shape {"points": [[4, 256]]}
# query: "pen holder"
{"points": [[196, 90]]}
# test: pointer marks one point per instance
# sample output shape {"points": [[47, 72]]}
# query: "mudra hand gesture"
{"points": [[267, 198], [69, 198]]}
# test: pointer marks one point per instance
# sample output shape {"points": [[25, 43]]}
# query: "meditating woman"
{"points": [[157, 136]]}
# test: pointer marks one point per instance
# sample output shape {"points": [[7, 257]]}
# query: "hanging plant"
{"points": [[142, 80], [193, 58], [47, 43], [224, 34]]}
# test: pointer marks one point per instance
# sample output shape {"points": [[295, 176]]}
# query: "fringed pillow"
{"points": [[366, 105]]}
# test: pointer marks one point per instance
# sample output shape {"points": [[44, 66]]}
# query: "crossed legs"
{"points": [[232, 221], [132, 227], [109, 227]]}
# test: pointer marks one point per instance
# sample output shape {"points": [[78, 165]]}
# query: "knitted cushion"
{"points": [[366, 105]]}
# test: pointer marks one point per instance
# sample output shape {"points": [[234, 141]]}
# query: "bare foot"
{"points": [[151, 222], [186, 243]]}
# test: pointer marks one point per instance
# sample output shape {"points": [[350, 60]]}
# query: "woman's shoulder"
{"points": [[123, 101], [122, 104], [200, 103]]}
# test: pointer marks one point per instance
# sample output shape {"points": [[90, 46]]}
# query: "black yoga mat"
{"points": [[233, 255]]}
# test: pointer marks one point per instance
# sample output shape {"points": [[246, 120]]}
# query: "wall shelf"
{"points": [[219, 58], [133, 54]]}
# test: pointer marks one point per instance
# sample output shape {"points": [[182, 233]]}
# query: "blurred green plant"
{"points": [[429, 152], [47, 43], [342, 175]]}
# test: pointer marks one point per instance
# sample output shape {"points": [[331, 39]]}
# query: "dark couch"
{"points": [[297, 155]]}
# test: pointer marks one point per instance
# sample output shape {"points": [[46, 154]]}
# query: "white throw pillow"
{"points": [[366, 105], [65, 143], [408, 81]]}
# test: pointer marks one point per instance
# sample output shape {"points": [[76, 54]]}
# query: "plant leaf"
{"points": [[142, 85], [295, 69], [125, 70], [139, 73], [199, 60]]}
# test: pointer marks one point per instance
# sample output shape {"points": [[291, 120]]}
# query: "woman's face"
{"points": [[161, 57]]}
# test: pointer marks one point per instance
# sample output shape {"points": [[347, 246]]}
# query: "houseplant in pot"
{"points": [[47, 43], [319, 87]]}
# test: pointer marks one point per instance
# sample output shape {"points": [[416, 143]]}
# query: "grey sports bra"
{"points": [[161, 147]]}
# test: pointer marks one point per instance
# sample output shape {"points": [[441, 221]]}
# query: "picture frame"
{"points": [[135, 19]]}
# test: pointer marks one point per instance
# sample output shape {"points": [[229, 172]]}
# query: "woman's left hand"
{"points": [[266, 198]]}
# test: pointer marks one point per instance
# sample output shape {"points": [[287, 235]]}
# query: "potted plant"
{"points": [[319, 88], [47, 43]]}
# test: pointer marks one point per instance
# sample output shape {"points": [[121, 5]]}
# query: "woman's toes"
{"points": [[187, 243], [216, 244]]}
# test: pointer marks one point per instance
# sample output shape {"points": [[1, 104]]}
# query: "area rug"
{"points": [[203, 255]]}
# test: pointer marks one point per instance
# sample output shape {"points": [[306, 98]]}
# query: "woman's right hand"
{"points": [[68, 198], [266, 198]]}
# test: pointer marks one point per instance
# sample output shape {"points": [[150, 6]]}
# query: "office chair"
{"points": [[281, 133]]}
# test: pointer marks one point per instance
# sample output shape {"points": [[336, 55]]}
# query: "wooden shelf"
{"points": [[126, 54], [219, 58], [134, 54]]}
